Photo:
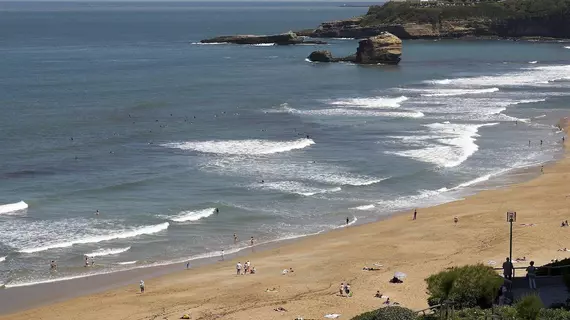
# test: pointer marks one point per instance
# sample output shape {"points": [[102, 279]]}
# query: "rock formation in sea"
{"points": [[384, 48], [289, 38]]}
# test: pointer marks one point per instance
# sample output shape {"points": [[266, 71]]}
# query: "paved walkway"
{"points": [[550, 289]]}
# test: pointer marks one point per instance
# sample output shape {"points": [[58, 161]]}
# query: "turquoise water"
{"points": [[115, 107]]}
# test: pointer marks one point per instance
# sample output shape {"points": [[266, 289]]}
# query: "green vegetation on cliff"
{"points": [[406, 12]]}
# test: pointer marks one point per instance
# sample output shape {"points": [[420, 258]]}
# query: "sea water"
{"points": [[116, 108]]}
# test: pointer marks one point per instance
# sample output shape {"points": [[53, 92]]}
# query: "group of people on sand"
{"points": [[245, 268], [344, 290], [564, 223]]}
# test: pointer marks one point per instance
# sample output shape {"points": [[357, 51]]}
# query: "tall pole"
{"points": [[511, 242]]}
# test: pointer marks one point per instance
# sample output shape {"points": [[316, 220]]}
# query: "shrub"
{"points": [[529, 307], [554, 314], [388, 313], [467, 286]]}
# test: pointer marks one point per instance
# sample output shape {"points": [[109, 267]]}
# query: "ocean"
{"points": [[116, 108]]}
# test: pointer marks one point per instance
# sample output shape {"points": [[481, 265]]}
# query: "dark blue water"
{"points": [[114, 107]]}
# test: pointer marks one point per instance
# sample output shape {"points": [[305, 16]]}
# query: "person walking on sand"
{"points": [[347, 221], [238, 268], [456, 220], [341, 289], [222, 254], [531, 275], [541, 169], [188, 265], [508, 269], [141, 285], [251, 241], [415, 214]]}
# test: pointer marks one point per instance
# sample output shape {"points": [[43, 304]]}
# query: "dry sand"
{"points": [[418, 248]]}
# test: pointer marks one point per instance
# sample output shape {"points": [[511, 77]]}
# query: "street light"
{"points": [[511, 217]]}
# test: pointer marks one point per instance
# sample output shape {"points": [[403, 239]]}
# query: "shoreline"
{"points": [[46, 294]]}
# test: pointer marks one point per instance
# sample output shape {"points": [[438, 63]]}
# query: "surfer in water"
{"points": [[217, 211]]}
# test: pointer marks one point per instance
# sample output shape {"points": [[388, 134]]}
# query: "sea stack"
{"points": [[384, 48]]}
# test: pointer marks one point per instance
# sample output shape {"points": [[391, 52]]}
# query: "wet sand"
{"points": [[418, 248]]}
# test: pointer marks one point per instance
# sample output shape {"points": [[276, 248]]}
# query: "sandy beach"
{"points": [[418, 248]]}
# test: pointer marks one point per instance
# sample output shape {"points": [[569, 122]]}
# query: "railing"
{"points": [[538, 269]]}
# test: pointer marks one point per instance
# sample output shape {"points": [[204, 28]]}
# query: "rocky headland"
{"points": [[289, 38], [452, 19], [384, 48]]}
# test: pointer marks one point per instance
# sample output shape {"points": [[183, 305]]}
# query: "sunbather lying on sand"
{"points": [[280, 309], [563, 249], [270, 290], [396, 280], [370, 269]]}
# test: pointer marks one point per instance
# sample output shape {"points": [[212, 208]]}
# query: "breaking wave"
{"points": [[193, 215], [13, 207], [454, 144], [375, 102], [107, 252], [100, 238], [242, 147], [458, 92]]}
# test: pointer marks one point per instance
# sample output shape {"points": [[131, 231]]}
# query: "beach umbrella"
{"points": [[400, 275]]}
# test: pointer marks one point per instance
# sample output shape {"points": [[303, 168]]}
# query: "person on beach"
{"points": [[86, 262], [53, 266], [92, 261], [141, 285], [415, 214], [252, 270], [347, 221], [341, 289], [238, 268], [541, 169], [455, 220], [531, 275], [347, 289], [508, 269], [251, 241], [187, 265], [222, 255], [235, 238]]}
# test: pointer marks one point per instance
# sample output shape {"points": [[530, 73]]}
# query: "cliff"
{"points": [[448, 19]]}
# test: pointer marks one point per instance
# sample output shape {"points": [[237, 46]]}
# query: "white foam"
{"points": [[193, 215], [264, 44], [100, 238], [285, 170], [535, 76], [375, 102], [458, 92], [364, 207], [455, 144], [567, 47], [349, 112], [541, 116], [533, 62], [2, 259], [127, 262], [211, 43], [343, 38], [107, 252], [296, 187], [242, 147], [13, 207]]}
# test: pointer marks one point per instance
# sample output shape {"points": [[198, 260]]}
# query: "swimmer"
{"points": [[217, 211], [97, 212], [235, 238], [251, 241]]}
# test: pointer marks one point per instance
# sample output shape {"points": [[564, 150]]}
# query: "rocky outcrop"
{"points": [[289, 38], [384, 48], [321, 56]]}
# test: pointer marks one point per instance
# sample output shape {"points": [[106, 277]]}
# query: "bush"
{"points": [[528, 308], [388, 313], [467, 286], [554, 314]]}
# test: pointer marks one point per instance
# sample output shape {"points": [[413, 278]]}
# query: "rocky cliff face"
{"points": [[384, 48], [466, 28]]}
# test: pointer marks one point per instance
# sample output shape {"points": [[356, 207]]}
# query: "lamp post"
{"points": [[511, 217]]}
